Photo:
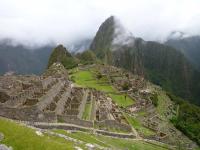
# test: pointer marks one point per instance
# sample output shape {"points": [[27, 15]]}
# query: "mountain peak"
{"points": [[111, 35]]}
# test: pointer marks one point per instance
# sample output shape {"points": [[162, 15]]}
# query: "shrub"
{"points": [[154, 99], [125, 86]]}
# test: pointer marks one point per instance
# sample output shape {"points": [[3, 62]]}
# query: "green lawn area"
{"points": [[120, 100], [83, 137], [87, 111], [87, 79], [138, 126], [24, 138], [114, 143]]}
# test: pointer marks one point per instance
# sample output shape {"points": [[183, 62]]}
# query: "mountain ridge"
{"points": [[161, 64]]}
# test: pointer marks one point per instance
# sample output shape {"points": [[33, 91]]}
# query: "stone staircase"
{"points": [[47, 99]]}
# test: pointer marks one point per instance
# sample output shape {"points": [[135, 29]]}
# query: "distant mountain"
{"points": [[189, 46], [159, 63], [23, 60]]}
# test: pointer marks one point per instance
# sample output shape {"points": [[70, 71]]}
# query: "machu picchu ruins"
{"points": [[55, 100]]}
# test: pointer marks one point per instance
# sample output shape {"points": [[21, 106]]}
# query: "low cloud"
{"points": [[39, 22]]}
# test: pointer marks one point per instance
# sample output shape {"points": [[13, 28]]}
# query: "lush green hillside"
{"points": [[60, 54], [187, 119], [86, 57], [103, 40], [190, 46]]}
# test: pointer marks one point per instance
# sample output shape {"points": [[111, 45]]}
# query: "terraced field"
{"points": [[87, 78], [21, 137], [114, 143]]}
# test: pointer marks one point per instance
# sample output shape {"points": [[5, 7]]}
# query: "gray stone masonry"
{"points": [[61, 103], [45, 100]]}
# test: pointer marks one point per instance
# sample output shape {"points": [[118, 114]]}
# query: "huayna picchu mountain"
{"points": [[159, 63]]}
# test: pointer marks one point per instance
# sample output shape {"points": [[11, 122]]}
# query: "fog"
{"points": [[39, 22]]}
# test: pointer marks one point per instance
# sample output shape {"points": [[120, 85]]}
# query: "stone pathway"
{"points": [[45, 100]]}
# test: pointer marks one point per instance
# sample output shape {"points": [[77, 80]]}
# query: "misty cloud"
{"points": [[38, 22]]}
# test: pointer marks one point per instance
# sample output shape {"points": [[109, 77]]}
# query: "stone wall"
{"points": [[27, 114], [76, 121], [116, 134], [64, 127], [113, 124]]}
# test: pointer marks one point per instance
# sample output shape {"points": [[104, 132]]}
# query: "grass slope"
{"points": [[114, 143], [24, 138], [138, 126]]}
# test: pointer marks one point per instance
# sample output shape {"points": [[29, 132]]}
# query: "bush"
{"points": [[188, 118], [125, 86], [154, 99], [99, 75]]}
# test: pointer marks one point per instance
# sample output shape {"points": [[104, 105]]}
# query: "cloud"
{"points": [[38, 22]]}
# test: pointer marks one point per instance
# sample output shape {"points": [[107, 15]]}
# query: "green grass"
{"points": [[163, 102], [138, 126], [83, 137], [87, 111], [141, 113], [88, 79], [130, 144], [114, 143], [24, 138], [120, 100]]}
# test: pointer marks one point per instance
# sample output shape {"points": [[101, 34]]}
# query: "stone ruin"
{"points": [[51, 97], [35, 98], [107, 113]]}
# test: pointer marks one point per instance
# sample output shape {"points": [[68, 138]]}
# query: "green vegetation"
{"points": [[103, 39], [87, 57], [60, 54], [24, 138], [187, 119], [89, 79], [125, 86], [88, 138], [131, 144], [120, 100], [138, 126], [87, 111], [163, 102], [115, 143], [161, 64], [154, 99]]}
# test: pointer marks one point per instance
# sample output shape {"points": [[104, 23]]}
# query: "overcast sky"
{"points": [[64, 21]]}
